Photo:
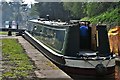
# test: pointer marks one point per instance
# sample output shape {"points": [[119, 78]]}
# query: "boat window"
{"points": [[30, 26], [51, 37]]}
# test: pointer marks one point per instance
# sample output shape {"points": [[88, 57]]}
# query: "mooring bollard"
{"points": [[9, 31], [17, 26]]}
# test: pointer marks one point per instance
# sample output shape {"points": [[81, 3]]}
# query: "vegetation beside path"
{"points": [[6, 33], [16, 63]]}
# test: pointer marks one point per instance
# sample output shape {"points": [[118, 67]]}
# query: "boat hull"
{"points": [[62, 63], [52, 57], [86, 71]]}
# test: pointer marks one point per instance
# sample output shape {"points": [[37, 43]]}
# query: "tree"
{"points": [[96, 8], [33, 10], [54, 9], [76, 9], [6, 12]]}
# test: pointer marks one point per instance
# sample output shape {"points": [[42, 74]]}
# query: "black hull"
{"points": [[86, 71], [60, 61], [54, 58]]}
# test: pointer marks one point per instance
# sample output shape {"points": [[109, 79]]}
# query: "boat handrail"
{"points": [[91, 58]]}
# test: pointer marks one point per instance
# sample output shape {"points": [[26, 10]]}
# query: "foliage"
{"points": [[89, 9], [95, 11], [11, 11], [76, 9], [110, 17], [5, 9], [54, 9], [96, 8], [5, 33], [33, 10]]}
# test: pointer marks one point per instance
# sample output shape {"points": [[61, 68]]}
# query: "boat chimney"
{"points": [[38, 19], [48, 17], [102, 41]]}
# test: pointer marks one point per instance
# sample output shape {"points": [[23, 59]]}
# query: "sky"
{"points": [[25, 1], [29, 1], [33, 1]]}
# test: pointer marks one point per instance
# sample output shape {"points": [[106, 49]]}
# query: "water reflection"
{"points": [[115, 76], [117, 71]]}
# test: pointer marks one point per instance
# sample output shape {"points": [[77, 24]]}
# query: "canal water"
{"points": [[114, 76]]}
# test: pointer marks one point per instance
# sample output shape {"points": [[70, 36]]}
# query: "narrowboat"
{"points": [[75, 46]]}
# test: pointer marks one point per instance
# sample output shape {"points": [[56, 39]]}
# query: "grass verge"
{"points": [[6, 33], [3, 33], [16, 63]]}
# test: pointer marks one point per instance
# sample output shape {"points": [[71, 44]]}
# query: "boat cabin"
{"points": [[70, 39]]}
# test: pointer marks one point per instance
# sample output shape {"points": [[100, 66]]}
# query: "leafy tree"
{"points": [[77, 9], [11, 11], [6, 12], [33, 10], [54, 9]]}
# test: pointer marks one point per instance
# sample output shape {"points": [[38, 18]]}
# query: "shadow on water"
{"points": [[114, 76]]}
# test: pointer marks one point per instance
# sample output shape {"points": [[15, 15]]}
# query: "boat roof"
{"points": [[52, 23]]}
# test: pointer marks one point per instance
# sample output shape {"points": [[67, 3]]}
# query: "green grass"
{"points": [[5, 33], [15, 62]]}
